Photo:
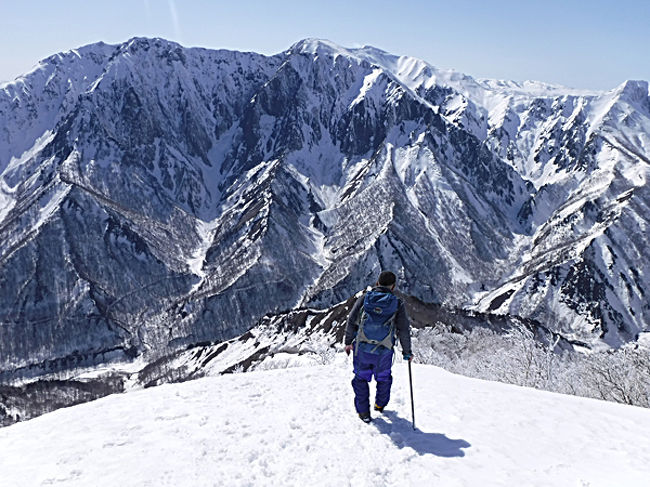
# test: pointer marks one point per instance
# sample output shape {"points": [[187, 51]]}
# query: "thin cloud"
{"points": [[176, 23]]}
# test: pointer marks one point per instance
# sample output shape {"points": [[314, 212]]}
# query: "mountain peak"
{"points": [[367, 52], [145, 42], [633, 90], [139, 45], [312, 45]]}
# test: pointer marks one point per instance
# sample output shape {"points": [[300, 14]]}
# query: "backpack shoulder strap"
{"points": [[360, 317]]}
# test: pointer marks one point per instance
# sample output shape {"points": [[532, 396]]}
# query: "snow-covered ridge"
{"points": [[416, 72], [298, 427]]}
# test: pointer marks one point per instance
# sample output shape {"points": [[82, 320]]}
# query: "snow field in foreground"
{"points": [[298, 427]]}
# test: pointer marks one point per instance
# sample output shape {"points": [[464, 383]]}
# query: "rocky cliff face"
{"points": [[153, 196]]}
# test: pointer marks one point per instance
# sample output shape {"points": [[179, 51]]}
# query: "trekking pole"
{"points": [[411, 384]]}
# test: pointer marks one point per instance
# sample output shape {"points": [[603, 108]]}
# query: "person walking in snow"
{"points": [[375, 319]]}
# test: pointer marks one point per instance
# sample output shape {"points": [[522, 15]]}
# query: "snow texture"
{"points": [[298, 427]]}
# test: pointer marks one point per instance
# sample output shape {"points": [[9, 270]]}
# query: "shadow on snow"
{"points": [[401, 432]]}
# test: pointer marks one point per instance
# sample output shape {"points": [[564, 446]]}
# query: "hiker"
{"points": [[372, 324]]}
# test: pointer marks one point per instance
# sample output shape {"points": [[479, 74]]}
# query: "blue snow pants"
{"points": [[366, 365]]}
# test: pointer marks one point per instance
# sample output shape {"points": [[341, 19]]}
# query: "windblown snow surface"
{"points": [[297, 426]]}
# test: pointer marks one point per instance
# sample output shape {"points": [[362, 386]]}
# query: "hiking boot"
{"points": [[379, 408], [365, 417]]}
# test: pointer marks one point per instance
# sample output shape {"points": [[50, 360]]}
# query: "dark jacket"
{"points": [[401, 322]]}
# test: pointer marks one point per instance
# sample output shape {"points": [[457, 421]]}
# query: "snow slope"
{"points": [[297, 427]]}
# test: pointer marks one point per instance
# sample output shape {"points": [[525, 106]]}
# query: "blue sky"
{"points": [[583, 44]]}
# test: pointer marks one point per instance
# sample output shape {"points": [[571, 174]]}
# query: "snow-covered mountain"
{"points": [[298, 427], [153, 196]]}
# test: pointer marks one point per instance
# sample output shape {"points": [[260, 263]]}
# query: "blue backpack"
{"points": [[376, 321]]}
